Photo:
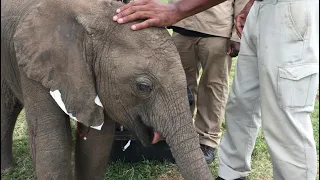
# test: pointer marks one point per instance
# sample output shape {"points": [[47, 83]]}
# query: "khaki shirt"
{"points": [[218, 20]]}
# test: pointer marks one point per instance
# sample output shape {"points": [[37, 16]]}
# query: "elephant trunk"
{"points": [[185, 148]]}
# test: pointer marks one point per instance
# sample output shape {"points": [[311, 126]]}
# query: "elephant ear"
{"points": [[50, 49]]}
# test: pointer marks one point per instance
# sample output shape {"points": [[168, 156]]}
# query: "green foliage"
{"points": [[23, 164], [315, 123]]}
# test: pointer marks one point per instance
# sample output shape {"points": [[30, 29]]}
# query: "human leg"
{"points": [[212, 89], [187, 50], [243, 108], [289, 79]]}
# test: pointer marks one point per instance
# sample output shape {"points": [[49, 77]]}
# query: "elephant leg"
{"points": [[10, 109], [49, 133], [92, 154]]}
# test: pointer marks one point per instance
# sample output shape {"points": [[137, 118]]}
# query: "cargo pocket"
{"points": [[297, 85]]}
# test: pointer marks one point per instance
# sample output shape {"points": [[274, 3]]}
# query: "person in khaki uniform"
{"points": [[209, 40]]}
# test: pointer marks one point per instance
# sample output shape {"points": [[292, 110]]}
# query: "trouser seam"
{"points": [[250, 129], [304, 139]]}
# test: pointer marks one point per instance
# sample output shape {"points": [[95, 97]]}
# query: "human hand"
{"points": [[153, 12], [240, 21], [234, 48], [242, 17]]}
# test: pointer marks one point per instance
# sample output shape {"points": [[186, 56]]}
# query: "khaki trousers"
{"points": [[211, 94], [275, 82]]}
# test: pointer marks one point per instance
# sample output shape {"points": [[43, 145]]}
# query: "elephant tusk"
{"points": [[97, 101], [97, 127]]}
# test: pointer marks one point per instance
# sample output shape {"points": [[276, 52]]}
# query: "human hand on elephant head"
{"points": [[156, 14]]}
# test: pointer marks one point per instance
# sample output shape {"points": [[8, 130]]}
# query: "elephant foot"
{"points": [[6, 164]]}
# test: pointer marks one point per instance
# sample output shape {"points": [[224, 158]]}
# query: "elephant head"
{"points": [[92, 65]]}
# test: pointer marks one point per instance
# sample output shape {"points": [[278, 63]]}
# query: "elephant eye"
{"points": [[143, 85], [144, 88]]}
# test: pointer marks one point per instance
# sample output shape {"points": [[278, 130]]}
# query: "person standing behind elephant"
{"points": [[209, 40]]}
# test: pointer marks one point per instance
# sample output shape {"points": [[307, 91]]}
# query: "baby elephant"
{"points": [[64, 59]]}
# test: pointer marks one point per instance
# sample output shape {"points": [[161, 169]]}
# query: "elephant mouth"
{"points": [[146, 134]]}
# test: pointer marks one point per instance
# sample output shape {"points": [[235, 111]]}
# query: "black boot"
{"points": [[208, 153]]}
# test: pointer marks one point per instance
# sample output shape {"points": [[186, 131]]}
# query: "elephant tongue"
{"points": [[156, 137]]}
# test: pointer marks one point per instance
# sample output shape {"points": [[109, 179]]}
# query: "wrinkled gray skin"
{"points": [[74, 46]]}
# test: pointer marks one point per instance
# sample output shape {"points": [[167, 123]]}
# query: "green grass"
{"points": [[147, 170]]}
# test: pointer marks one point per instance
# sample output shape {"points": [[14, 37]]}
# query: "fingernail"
{"points": [[120, 20], [115, 18], [133, 27], [118, 10]]}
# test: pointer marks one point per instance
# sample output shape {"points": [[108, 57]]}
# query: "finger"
{"points": [[127, 12], [238, 28], [239, 24], [229, 51], [238, 19], [239, 32], [129, 9], [133, 16], [242, 23], [130, 5], [145, 24]]}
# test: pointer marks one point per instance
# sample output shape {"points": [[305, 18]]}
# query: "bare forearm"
{"points": [[248, 6], [188, 8], [242, 16]]}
